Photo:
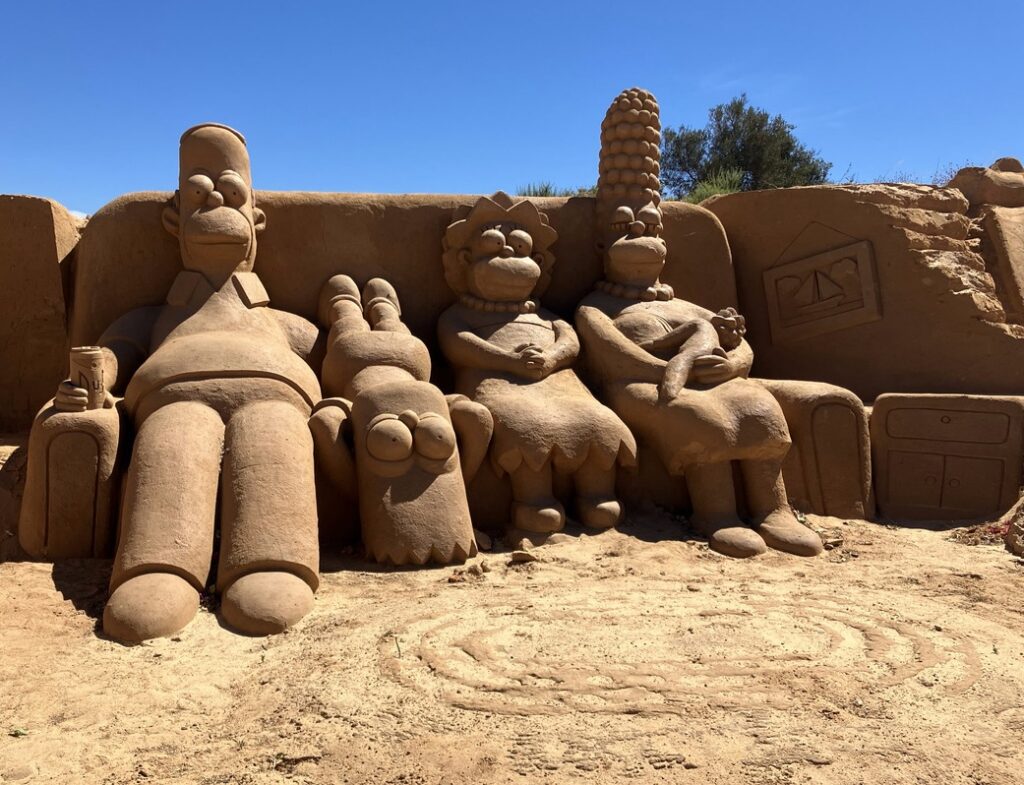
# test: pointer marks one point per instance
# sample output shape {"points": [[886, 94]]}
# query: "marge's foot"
{"points": [[152, 605], [599, 513], [783, 532], [732, 538], [544, 519], [265, 603]]}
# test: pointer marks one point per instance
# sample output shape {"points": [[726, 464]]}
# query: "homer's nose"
{"points": [[506, 252], [637, 228], [215, 199]]}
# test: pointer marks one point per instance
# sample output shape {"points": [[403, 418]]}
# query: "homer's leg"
{"points": [[713, 496], [595, 494], [383, 310], [535, 507], [774, 518], [269, 553], [166, 539]]}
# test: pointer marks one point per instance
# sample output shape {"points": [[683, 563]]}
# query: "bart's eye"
{"points": [[521, 242], [233, 189], [198, 187], [389, 440], [434, 437], [492, 241]]}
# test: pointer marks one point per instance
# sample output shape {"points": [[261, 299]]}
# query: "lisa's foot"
{"points": [[340, 287], [152, 605], [599, 513], [783, 532], [543, 519], [732, 538], [266, 603], [380, 302]]}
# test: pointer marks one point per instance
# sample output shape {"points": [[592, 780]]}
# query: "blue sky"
{"points": [[455, 97]]}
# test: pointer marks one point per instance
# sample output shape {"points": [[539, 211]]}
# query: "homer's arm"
{"points": [[304, 337], [607, 346]]}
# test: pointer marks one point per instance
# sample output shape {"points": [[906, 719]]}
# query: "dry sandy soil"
{"points": [[640, 656]]}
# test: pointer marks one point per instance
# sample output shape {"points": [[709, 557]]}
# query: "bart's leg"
{"points": [[773, 517], [595, 494], [713, 496], [166, 540], [383, 312], [535, 507], [269, 553]]}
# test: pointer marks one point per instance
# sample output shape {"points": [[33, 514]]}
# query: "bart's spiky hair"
{"points": [[498, 209]]}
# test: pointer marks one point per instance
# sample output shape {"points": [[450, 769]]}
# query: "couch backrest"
{"points": [[126, 259]]}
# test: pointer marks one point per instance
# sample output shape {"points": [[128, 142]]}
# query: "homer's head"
{"points": [[213, 214]]}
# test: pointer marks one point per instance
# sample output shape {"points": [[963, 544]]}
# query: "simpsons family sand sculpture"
{"points": [[224, 412]]}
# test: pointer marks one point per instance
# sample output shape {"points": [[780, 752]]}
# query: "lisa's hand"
{"points": [[713, 369], [71, 398]]}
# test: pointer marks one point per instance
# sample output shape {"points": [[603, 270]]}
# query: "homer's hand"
{"points": [[713, 369], [71, 398]]}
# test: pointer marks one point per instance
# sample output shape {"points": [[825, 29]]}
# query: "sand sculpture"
{"points": [[405, 458], [219, 388], [676, 372], [515, 357], [203, 401]]}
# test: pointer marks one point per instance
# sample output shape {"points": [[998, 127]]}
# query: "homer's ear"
{"points": [[464, 256], [171, 217], [259, 219]]}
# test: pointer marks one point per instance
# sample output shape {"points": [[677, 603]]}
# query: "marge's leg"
{"points": [[713, 496]]}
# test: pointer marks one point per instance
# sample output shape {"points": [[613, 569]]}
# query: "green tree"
{"points": [[740, 137], [546, 188]]}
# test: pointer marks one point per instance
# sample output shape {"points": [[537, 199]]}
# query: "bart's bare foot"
{"points": [[599, 513], [731, 537], [266, 603], [152, 605], [544, 519], [783, 532]]}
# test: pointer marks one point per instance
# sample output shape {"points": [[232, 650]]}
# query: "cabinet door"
{"points": [[915, 479], [972, 485]]}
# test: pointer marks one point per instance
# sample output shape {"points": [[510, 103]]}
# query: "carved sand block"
{"points": [[69, 509], [659, 366], [390, 436], [947, 457], [516, 358]]}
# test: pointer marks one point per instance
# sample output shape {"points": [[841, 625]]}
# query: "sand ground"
{"points": [[634, 656]]}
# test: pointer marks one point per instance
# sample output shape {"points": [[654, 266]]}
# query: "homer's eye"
{"points": [[521, 242], [492, 241], [389, 440], [198, 187], [233, 189], [434, 437]]}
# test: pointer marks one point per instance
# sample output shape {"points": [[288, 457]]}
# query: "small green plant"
{"points": [[545, 188], [725, 181]]}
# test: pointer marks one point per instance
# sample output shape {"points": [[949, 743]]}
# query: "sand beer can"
{"points": [[87, 372]]}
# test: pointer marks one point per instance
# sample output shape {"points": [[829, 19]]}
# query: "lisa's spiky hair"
{"points": [[630, 162], [497, 210]]}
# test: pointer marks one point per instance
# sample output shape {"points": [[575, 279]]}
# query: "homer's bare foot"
{"points": [[599, 513], [266, 603], [731, 537], [153, 605], [783, 532], [544, 518]]}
